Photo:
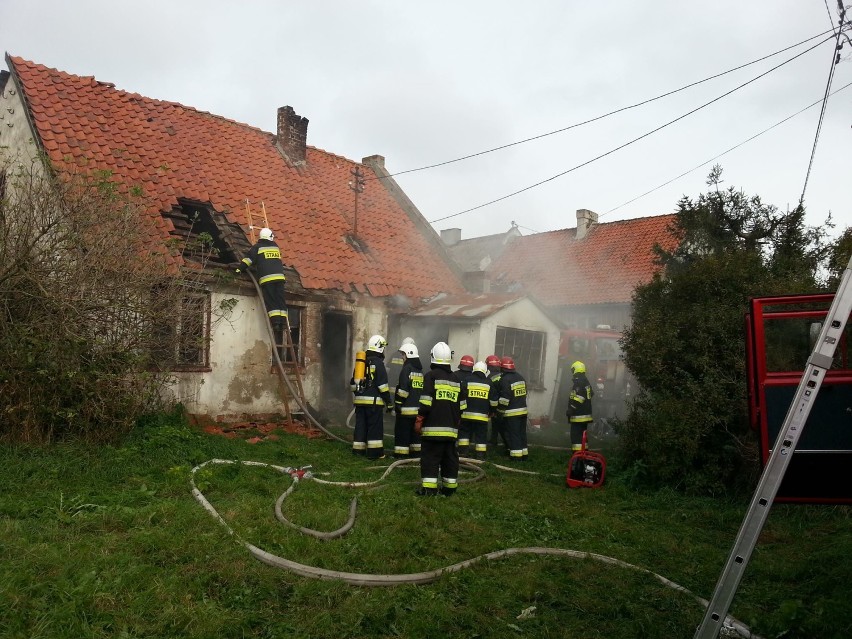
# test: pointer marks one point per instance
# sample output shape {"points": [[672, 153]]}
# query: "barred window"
{"points": [[526, 348]]}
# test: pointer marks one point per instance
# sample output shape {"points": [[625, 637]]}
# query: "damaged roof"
{"points": [[603, 267], [470, 306], [173, 151]]}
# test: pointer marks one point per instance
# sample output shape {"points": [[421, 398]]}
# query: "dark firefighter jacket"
{"points": [[494, 393], [478, 402], [512, 395], [409, 388], [442, 402], [265, 257], [374, 390], [580, 400]]}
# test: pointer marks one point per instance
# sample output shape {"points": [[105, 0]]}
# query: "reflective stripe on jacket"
{"points": [[374, 390], [265, 257], [478, 403], [441, 403], [580, 399], [512, 394], [410, 387]]}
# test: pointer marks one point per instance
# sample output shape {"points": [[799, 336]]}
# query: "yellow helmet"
{"points": [[578, 367]]}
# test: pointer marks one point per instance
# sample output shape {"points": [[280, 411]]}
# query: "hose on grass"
{"points": [[367, 579]]}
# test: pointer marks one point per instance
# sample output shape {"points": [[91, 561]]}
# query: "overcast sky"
{"points": [[430, 81]]}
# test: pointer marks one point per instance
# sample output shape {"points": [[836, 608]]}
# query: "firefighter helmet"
{"points": [[266, 234], [406, 341], [578, 367], [480, 367], [377, 343], [441, 354], [507, 364], [466, 363], [492, 361], [410, 350]]}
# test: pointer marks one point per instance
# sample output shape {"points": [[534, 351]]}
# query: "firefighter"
{"points": [[371, 395], [395, 365], [407, 403], [497, 426], [579, 411], [265, 258], [463, 374], [441, 405], [478, 408], [512, 403]]}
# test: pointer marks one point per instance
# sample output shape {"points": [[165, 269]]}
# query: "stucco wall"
{"points": [[241, 382], [16, 137]]}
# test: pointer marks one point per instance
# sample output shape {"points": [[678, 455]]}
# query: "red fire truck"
{"points": [[780, 336], [600, 351]]}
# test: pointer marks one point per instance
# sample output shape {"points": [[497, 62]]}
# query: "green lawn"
{"points": [[109, 542]]}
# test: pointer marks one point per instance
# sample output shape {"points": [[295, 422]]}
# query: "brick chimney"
{"points": [[451, 237], [292, 134], [585, 219]]}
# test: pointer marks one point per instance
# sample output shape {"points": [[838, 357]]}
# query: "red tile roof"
{"points": [[173, 151], [603, 267]]}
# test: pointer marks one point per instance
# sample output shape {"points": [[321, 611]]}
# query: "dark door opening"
{"points": [[336, 367]]}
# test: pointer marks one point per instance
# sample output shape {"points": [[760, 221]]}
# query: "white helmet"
{"points": [[441, 354], [266, 234], [377, 343], [409, 350], [480, 367], [405, 341]]}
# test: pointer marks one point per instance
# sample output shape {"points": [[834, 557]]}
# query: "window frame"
{"points": [[530, 365], [173, 346]]}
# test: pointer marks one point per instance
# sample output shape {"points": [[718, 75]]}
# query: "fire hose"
{"points": [[367, 579]]}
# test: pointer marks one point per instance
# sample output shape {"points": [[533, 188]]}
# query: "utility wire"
{"points": [[605, 115], [716, 157], [835, 58], [626, 144]]}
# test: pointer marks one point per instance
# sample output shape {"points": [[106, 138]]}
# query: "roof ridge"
{"points": [[130, 94]]}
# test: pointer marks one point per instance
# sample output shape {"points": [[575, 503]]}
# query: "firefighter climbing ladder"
{"points": [[289, 389], [782, 452]]}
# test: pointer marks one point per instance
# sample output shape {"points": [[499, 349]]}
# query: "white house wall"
{"points": [[464, 339], [17, 143], [242, 383]]}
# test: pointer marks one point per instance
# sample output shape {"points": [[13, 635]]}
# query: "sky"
{"points": [[424, 83]]}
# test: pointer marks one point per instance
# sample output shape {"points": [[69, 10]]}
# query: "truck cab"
{"points": [[600, 350]]}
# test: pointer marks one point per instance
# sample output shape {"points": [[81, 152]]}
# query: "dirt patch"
{"points": [[257, 432]]}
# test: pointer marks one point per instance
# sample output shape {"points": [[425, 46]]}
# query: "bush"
{"points": [[79, 276]]}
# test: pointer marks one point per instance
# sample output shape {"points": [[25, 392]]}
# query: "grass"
{"points": [[108, 542]]}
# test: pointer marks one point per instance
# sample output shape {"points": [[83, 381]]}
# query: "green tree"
{"points": [[689, 427]]}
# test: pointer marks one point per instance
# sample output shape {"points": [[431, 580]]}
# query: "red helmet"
{"points": [[492, 361], [507, 364], [466, 363]]}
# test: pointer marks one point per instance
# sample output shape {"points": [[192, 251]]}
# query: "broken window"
{"points": [[183, 335], [526, 348]]}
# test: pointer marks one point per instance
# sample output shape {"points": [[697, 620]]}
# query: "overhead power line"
{"points": [[835, 59], [605, 115], [634, 140], [716, 157]]}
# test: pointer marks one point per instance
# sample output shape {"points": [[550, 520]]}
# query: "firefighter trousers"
{"points": [[439, 459], [369, 431], [516, 434], [404, 437], [577, 430]]}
